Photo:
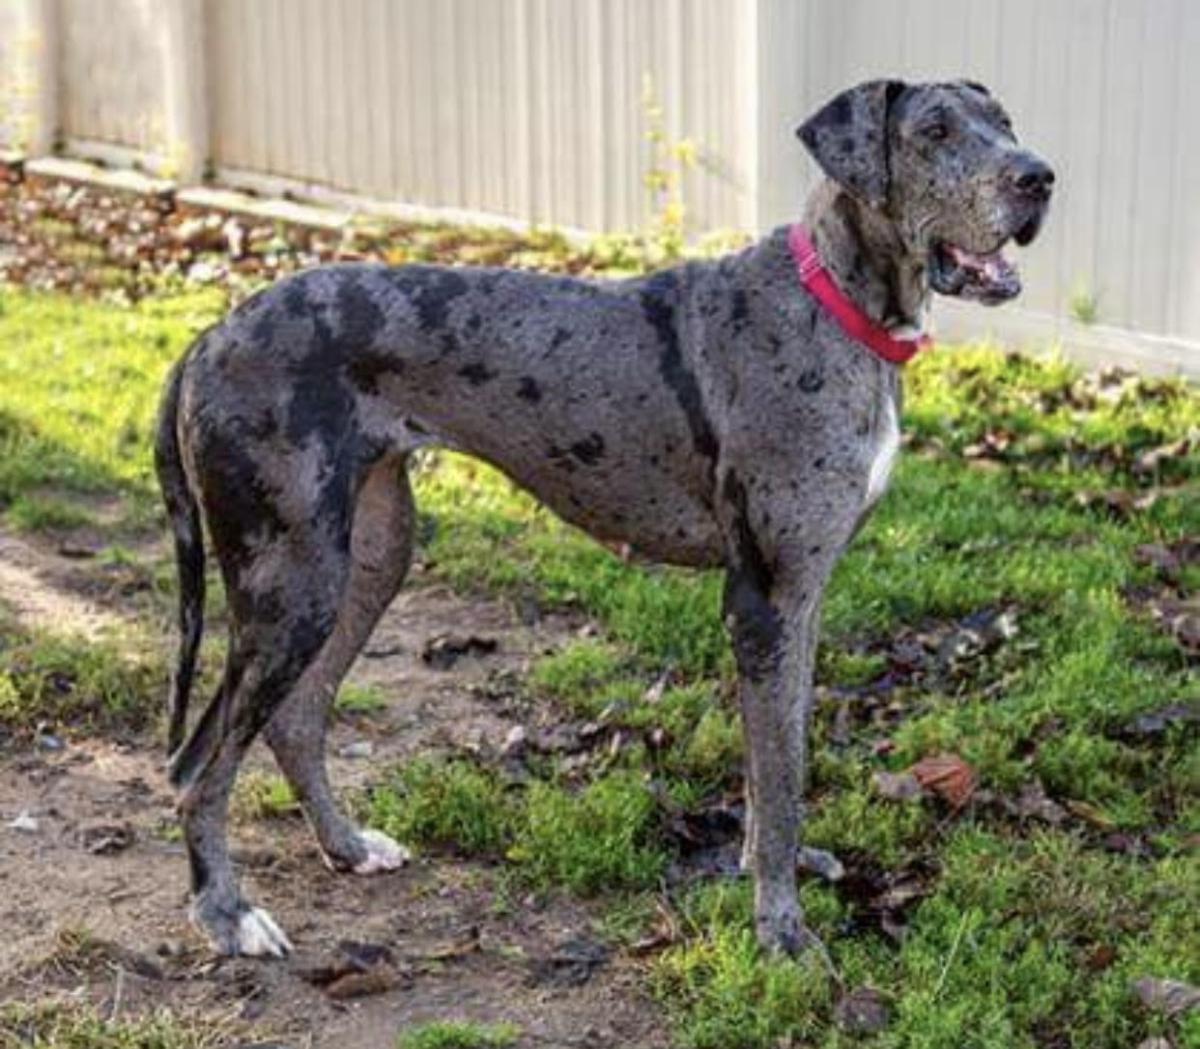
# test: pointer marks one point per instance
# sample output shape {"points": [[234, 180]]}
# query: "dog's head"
{"points": [[941, 162]]}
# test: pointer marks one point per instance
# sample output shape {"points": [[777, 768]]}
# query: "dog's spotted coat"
{"points": [[710, 415]]}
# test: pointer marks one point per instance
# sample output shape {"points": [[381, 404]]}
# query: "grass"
{"points": [[586, 841], [68, 683], [262, 796], [459, 1034], [1025, 935], [361, 700], [75, 1026]]}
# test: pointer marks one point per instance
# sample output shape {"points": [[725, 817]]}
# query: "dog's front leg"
{"points": [[773, 628]]}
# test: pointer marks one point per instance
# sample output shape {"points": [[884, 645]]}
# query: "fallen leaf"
{"points": [[1090, 815], [1033, 803], [862, 1011], [1101, 957], [103, 839], [570, 964], [897, 786], [948, 776], [1170, 997], [1156, 722], [443, 651]]}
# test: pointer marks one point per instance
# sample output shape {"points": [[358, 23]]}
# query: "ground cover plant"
{"points": [[1005, 752]]}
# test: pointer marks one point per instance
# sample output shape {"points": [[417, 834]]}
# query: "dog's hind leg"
{"points": [[269, 653], [381, 550], [284, 546]]}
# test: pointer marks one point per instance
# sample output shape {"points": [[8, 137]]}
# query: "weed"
{"points": [[31, 513], [597, 840], [459, 1034], [78, 1026], [445, 803], [262, 796], [360, 699], [70, 682]]}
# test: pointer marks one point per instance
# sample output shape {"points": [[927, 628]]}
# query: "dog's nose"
{"points": [[1032, 176]]}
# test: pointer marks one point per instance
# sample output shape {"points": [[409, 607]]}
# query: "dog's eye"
{"points": [[938, 132]]}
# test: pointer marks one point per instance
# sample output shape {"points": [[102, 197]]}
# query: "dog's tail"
{"points": [[184, 514]]}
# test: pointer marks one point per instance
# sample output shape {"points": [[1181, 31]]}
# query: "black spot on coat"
{"points": [[477, 373], [528, 390], [659, 301], [590, 450]]}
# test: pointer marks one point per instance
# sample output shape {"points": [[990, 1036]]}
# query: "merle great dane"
{"points": [[719, 414]]}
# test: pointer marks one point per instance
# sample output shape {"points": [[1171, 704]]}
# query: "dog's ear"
{"points": [[975, 85], [848, 137]]}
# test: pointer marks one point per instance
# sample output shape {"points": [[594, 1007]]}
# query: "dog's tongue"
{"points": [[992, 270]]}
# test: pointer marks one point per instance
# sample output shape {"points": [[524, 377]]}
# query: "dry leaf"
{"points": [[897, 786], [948, 776], [1171, 997]]}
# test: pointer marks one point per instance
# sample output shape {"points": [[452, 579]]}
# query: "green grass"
{"points": [[79, 386], [359, 700], [262, 796], [63, 1026], [999, 952], [459, 1034], [596, 839], [67, 683]]}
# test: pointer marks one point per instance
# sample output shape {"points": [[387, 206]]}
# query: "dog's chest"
{"points": [[883, 452]]}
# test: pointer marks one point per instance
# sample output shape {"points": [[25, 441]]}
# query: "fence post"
{"points": [[41, 63], [185, 90]]}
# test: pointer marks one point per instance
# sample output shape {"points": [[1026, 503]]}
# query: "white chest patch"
{"points": [[887, 443]]}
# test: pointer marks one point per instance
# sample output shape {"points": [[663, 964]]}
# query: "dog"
{"points": [[739, 414]]}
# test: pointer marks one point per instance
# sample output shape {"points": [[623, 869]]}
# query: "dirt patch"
{"points": [[93, 877]]}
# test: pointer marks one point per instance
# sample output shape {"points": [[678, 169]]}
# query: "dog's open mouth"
{"points": [[986, 276]]}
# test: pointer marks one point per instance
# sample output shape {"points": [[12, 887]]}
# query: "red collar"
{"points": [[815, 277]]}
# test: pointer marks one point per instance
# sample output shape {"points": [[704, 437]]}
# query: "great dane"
{"points": [[738, 413]]}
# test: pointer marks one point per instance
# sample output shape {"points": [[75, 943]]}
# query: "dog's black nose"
{"points": [[1032, 176]]}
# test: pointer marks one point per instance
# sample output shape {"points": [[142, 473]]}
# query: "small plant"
{"points": [[1084, 304], [49, 679], [669, 163], [360, 699], [596, 840], [34, 513], [446, 803], [459, 1034], [263, 796]]}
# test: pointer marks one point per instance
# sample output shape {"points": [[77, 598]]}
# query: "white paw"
{"points": [[258, 935], [383, 853]]}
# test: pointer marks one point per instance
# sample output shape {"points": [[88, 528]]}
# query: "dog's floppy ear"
{"points": [[848, 138]]}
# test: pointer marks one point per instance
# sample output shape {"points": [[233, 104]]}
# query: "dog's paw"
{"points": [[259, 936], [237, 929], [383, 853]]}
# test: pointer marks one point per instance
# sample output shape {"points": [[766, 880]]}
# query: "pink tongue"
{"points": [[993, 268]]}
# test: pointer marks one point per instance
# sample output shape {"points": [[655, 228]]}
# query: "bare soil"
{"points": [[102, 857]]}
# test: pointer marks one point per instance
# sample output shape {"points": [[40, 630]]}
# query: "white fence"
{"points": [[532, 109]]}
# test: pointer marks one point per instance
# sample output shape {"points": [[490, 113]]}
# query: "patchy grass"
{"points": [[68, 683], [1027, 488], [596, 839], [262, 796], [79, 385], [78, 1026], [359, 700], [449, 804], [459, 1034]]}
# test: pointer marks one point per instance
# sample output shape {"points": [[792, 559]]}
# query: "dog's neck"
{"points": [[870, 264]]}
